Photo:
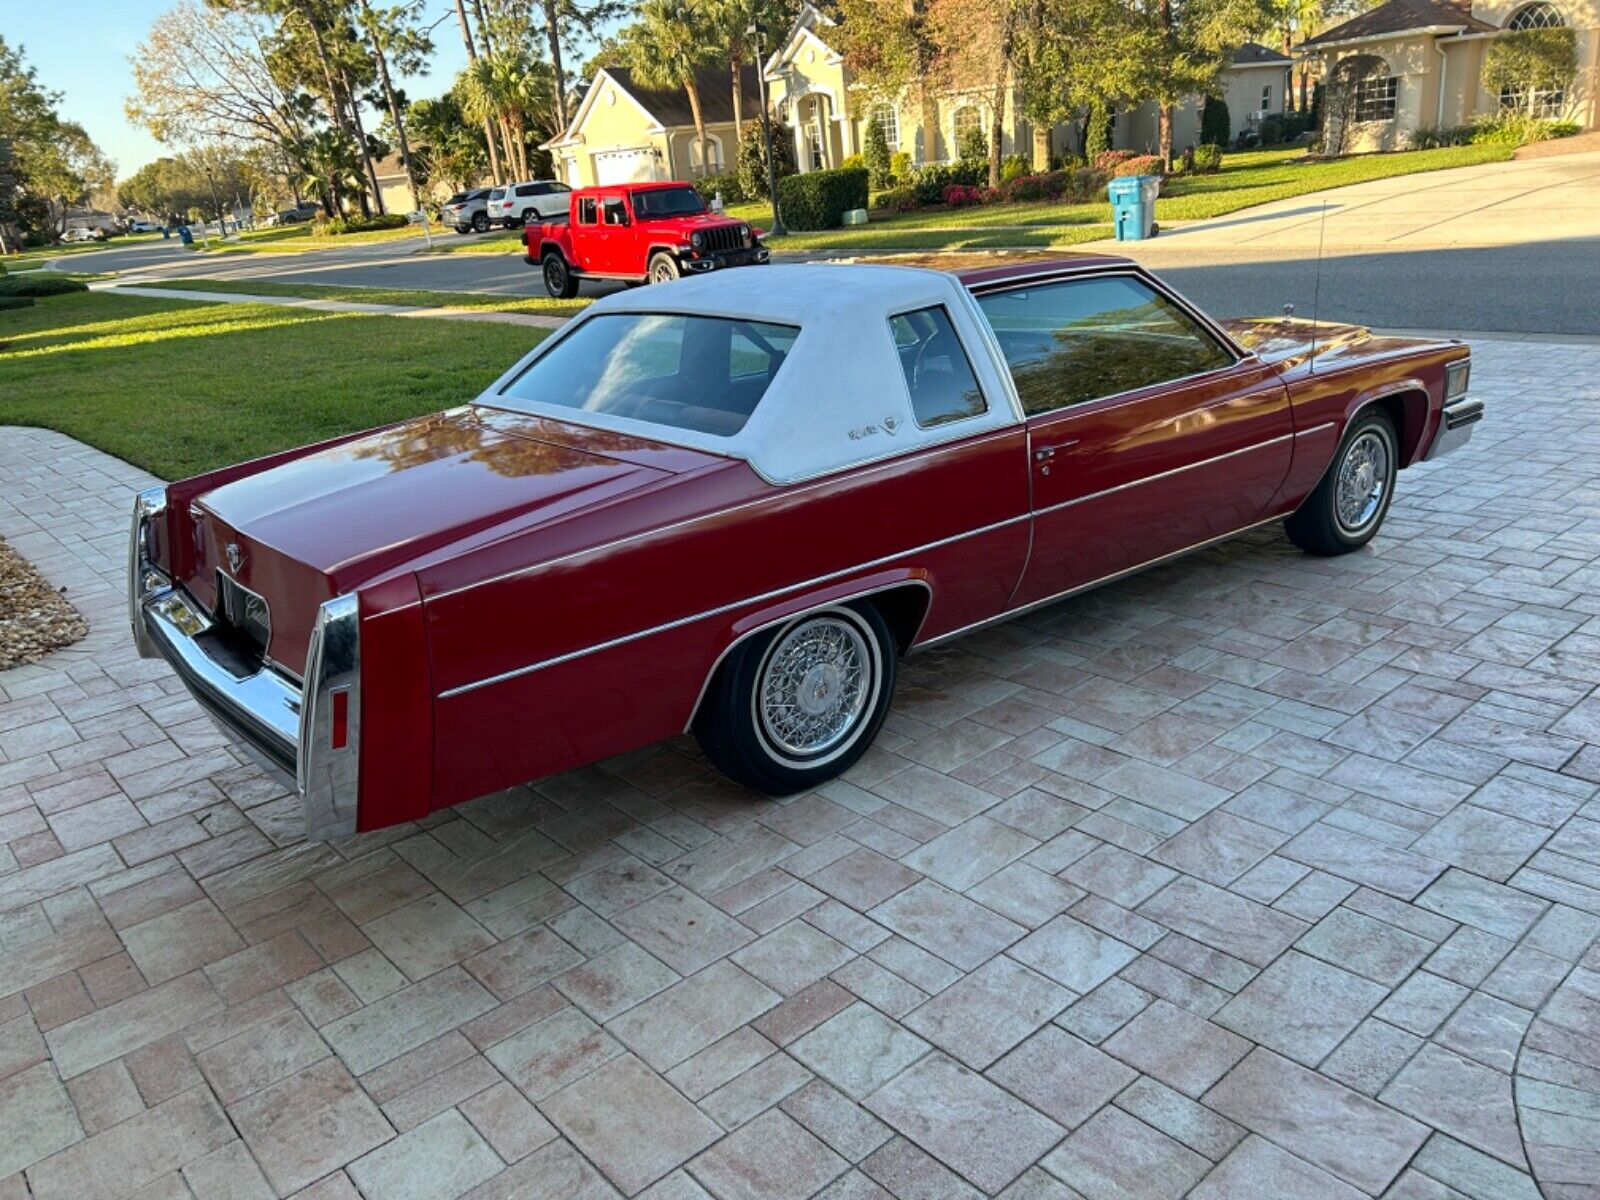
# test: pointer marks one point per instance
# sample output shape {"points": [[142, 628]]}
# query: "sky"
{"points": [[81, 49]]}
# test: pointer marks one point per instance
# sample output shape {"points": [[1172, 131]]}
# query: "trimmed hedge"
{"points": [[819, 199], [728, 186], [15, 302], [930, 182], [40, 283], [339, 225]]}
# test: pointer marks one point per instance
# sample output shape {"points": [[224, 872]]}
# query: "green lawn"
{"points": [[295, 239], [179, 387], [1247, 179], [496, 241], [410, 297]]}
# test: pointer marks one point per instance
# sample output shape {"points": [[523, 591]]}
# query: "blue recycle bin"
{"points": [[1133, 206], [185, 236]]}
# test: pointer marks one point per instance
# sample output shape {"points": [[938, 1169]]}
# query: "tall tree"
{"points": [[496, 172], [670, 44], [889, 47], [563, 23], [1194, 42], [1074, 57], [395, 32], [979, 43]]}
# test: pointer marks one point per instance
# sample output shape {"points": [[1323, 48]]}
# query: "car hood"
{"points": [[688, 224], [1290, 341]]}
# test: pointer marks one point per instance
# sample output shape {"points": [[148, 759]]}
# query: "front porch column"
{"points": [[802, 151]]}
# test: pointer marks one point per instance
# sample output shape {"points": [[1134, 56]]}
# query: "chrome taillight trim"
{"points": [[144, 579], [328, 779]]}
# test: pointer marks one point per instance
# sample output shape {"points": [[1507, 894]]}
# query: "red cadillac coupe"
{"points": [[729, 505]]}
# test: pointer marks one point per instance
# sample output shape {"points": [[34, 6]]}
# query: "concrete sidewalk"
{"points": [[345, 306], [1495, 204]]}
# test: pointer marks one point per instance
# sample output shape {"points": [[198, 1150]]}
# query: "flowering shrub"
{"points": [[1141, 164], [960, 195], [1049, 186], [1108, 161]]}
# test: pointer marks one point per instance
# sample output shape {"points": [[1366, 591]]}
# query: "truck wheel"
{"points": [[663, 267], [480, 222], [1346, 509], [558, 277], [798, 705]]}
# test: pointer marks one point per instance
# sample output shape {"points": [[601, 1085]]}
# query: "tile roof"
{"points": [[1401, 16], [670, 106]]}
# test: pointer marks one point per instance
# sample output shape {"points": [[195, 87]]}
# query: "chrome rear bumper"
{"points": [[1455, 426], [306, 736]]}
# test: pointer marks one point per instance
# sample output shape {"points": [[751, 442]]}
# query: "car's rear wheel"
{"points": [[663, 268], [463, 228], [796, 706], [559, 280], [480, 222], [1345, 511]]}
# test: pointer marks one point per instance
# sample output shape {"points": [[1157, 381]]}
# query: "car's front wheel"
{"points": [[796, 706], [480, 222], [663, 268], [559, 280], [1346, 509]]}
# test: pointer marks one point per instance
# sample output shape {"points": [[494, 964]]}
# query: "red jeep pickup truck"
{"points": [[638, 232]]}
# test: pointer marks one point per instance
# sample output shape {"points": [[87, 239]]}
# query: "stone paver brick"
{"points": [[1340, 818]]}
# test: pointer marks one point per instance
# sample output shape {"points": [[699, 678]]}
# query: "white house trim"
{"points": [[573, 135]]}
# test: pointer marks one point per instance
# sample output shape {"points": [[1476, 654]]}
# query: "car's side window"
{"points": [[528, 190], [938, 373], [587, 210], [616, 212], [1084, 339]]}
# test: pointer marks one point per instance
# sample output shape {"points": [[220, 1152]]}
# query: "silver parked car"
{"points": [[467, 210]]}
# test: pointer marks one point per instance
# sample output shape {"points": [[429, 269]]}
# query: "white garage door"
{"points": [[624, 166]]}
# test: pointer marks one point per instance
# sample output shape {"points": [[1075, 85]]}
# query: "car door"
{"points": [[588, 236], [1149, 432], [615, 247]]}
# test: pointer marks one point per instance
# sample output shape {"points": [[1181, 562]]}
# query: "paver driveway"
{"points": [[1260, 876]]}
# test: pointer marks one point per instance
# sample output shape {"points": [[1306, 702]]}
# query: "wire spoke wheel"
{"points": [[818, 680], [1363, 482]]}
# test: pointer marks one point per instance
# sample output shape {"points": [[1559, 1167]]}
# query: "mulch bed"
{"points": [[34, 618]]}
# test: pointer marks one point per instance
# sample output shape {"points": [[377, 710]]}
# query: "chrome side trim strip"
{"points": [[1316, 429], [1159, 475], [1094, 583], [665, 627], [688, 725]]}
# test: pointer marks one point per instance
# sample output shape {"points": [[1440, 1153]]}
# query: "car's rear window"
{"points": [[704, 374]]}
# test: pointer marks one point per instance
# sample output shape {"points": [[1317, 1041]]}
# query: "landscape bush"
{"points": [[1014, 166], [960, 195], [15, 302], [40, 283], [1491, 129], [1139, 164], [753, 158], [900, 199], [929, 182], [819, 199], [1108, 161], [727, 186], [880, 168], [900, 166], [338, 226], [972, 144], [1207, 159], [1214, 121]]}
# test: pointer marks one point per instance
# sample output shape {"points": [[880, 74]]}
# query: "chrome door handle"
{"points": [[1046, 453]]}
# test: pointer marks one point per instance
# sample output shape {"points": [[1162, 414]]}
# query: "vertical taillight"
{"points": [[339, 725]]}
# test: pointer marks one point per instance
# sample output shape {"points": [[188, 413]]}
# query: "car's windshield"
{"points": [[668, 202], [705, 374]]}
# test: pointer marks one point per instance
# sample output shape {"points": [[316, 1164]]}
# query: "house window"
{"points": [[967, 118], [1536, 16], [887, 119], [707, 159], [1375, 99], [1266, 98]]}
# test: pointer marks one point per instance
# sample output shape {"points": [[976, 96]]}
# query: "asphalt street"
{"points": [[1506, 247]]}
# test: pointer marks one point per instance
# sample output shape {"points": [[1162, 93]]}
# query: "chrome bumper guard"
{"points": [[306, 737], [1455, 426]]}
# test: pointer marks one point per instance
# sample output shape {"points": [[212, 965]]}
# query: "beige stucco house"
{"points": [[1423, 62], [623, 131], [828, 111]]}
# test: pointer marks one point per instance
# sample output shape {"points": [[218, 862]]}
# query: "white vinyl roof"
{"points": [[842, 376]]}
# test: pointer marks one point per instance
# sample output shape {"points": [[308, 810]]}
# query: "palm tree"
{"points": [[670, 44], [512, 88], [331, 166]]}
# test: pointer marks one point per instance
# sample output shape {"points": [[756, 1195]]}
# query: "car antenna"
{"points": [[1316, 286]]}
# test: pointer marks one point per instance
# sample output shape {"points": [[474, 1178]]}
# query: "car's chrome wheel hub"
{"points": [[814, 687], [1363, 482]]}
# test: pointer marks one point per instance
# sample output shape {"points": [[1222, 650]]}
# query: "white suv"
{"points": [[536, 200]]}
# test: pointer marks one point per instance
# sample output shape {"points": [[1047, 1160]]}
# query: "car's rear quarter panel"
{"points": [[703, 557]]}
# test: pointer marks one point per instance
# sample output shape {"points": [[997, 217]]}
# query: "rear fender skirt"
{"points": [[397, 691], [865, 587]]}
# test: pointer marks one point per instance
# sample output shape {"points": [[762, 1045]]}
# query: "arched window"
{"points": [[967, 117], [1536, 16], [1545, 102], [887, 119], [706, 160]]}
